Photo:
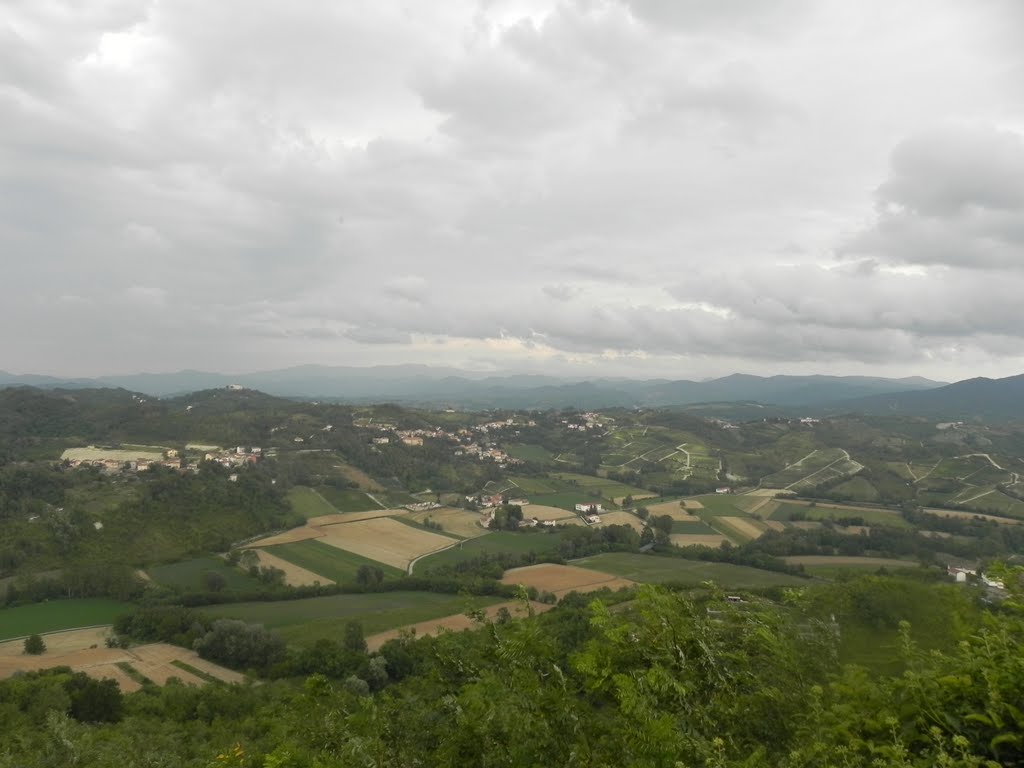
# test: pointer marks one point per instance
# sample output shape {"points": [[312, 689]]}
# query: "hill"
{"points": [[979, 398]]}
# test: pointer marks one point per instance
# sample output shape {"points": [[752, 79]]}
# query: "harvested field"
{"points": [[750, 529], [673, 510], [636, 497], [288, 537], [936, 534], [693, 504], [458, 521], [775, 525], [562, 579], [853, 530], [454, 623], [543, 512], [666, 508], [60, 642], [621, 518], [806, 525], [354, 517], [294, 576], [79, 650], [697, 539], [384, 540]]}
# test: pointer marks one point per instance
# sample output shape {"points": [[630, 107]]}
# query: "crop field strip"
{"points": [[303, 622], [655, 569], [331, 563]]}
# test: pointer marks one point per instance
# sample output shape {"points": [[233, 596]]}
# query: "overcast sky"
{"points": [[634, 187]]}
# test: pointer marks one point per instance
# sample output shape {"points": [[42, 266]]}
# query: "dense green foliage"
{"points": [[668, 679]]}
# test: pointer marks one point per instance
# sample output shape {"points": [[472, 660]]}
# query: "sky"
{"points": [[682, 188]]}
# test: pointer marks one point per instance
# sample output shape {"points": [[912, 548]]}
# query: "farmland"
{"points": [[819, 466], [563, 579], [156, 662], [456, 521], [56, 615], [513, 543], [309, 503], [329, 562], [303, 622], [385, 540], [456, 622], [790, 510], [189, 574], [347, 500], [654, 569], [832, 565], [123, 453]]}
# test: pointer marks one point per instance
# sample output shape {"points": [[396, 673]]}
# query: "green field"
{"points": [[55, 615], [609, 489], [347, 499], [529, 452], [870, 516], [189, 574], [655, 569], [303, 622], [309, 503], [532, 485], [722, 505], [692, 527], [327, 561], [494, 543]]}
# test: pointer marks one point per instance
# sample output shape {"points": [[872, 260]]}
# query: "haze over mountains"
{"points": [[449, 386], [438, 386]]}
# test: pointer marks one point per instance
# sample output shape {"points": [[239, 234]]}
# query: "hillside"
{"points": [[979, 398]]}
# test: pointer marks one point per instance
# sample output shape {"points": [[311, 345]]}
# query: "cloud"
{"points": [[954, 196], [586, 183]]}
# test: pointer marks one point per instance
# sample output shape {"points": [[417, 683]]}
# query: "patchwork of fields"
{"points": [[85, 650]]}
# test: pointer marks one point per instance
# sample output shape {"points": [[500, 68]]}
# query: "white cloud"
{"points": [[633, 184]]}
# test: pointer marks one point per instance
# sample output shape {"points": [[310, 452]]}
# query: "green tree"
{"points": [[354, 640], [34, 645]]}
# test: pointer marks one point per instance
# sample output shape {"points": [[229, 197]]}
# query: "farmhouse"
{"points": [[589, 508]]}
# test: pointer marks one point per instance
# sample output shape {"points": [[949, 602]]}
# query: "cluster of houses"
{"points": [[467, 441], [235, 457], [584, 422]]}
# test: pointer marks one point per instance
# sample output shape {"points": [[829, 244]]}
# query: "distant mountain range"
{"points": [[426, 385]]}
